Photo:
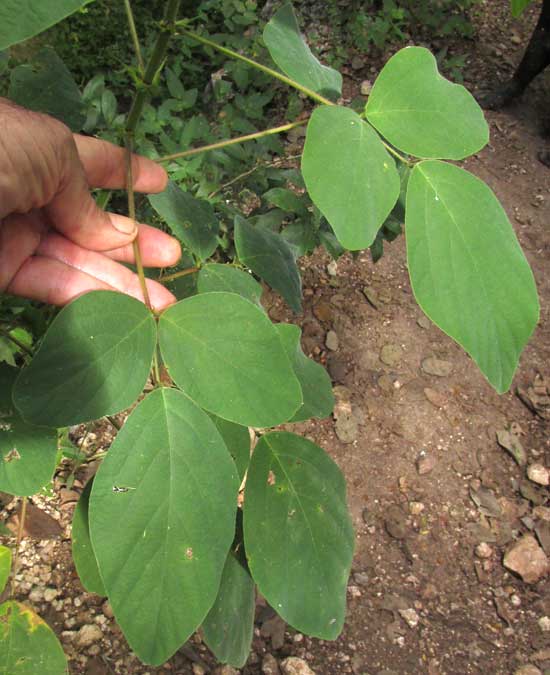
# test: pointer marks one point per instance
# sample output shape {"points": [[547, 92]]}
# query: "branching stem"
{"points": [[135, 38], [176, 275]]}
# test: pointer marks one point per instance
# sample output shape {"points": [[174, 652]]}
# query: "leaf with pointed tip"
{"points": [[349, 175], [191, 220], [28, 646], [21, 19], [27, 454], [5, 566], [313, 378], [94, 361], [295, 510], [215, 277], [468, 272], [271, 258], [46, 85], [162, 520], [229, 626], [291, 53], [225, 353], [420, 112], [83, 554]]}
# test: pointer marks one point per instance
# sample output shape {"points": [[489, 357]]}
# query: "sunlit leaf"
{"points": [[215, 277], [349, 175], [468, 272], [423, 114], [5, 566]]}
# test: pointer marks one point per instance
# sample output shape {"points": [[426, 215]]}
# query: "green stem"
{"points": [[22, 516], [155, 61], [176, 275], [23, 347], [231, 141], [133, 33], [235, 55]]}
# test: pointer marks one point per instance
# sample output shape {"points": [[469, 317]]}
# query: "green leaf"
{"points": [[28, 646], [94, 361], [225, 353], [468, 272], [108, 106], [293, 56], [5, 566], [517, 7], [191, 220], [175, 87], [349, 175], [215, 277], [313, 378], [83, 554], [422, 113], [285, 199], [229, 626], [237, 441], [295, 510], [162, 519], [27, 454], [271, 258], [21, 19], [46, 85]]}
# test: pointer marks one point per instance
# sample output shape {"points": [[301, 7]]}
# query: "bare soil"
{"points": [[417, 452]]}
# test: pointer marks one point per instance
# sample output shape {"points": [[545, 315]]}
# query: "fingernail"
{"points": [[123, 224]]}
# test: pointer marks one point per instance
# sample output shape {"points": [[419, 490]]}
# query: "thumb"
{"points": [[74, 213]]}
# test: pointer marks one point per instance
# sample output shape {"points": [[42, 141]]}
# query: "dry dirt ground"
{"points": [[436, 502]]}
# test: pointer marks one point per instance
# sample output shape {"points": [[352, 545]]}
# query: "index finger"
{"points": [[105, 166]]}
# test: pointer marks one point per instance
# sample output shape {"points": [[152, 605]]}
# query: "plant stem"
{"points": [[133, 33], [22, 516], [232, 141], [113, 422], [235, 55], [153, 65], [132, 216], [23, 347], [176, 275]]}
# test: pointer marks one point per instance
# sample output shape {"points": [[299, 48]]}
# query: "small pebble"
{"points": [[544, 623], [483, 550], [537, 473], [410, 616]]}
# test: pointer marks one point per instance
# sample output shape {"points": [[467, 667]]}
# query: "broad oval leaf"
{"points": [[162, 519], [191, 220], [215, 277], [83, 554], [293, 56], [237, 441], [225, 353], [28, 646], [349, 175], [21, 19], [313, 378], [94, 361], [468, 272], [271, 258], [27, 454], [295, 510], [229, 626], [5, 566], [420, 112]]}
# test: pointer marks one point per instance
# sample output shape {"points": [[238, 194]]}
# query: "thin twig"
{"points": [[23, 347], [20, 528], [176, 275], [231, 141], [133, 33]]}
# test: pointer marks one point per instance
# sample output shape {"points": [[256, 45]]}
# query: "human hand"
{"points": [[55, 243]]}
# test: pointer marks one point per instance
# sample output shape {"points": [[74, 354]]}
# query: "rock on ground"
{"points": [[295, 666], [527, 559]]}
